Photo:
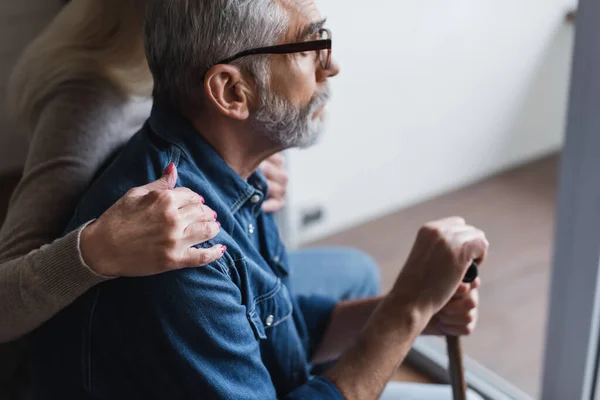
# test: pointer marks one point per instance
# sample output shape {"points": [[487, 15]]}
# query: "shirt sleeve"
{"points": [[186, 334]]}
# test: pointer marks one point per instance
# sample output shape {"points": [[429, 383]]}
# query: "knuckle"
{"points": [[468, 330], [208, 229], [471, 303], [284, 178], [430, 231], [153, 195], [167, 197], [470, 318], [206, 211], [170, 259], [171, 216], [135, 192], [205, 258], [457, 220]]}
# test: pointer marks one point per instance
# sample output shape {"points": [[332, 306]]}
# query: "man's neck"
{"points": [[242, 149]]}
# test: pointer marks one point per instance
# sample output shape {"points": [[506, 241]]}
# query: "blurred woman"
{"points": [[79, 92]]}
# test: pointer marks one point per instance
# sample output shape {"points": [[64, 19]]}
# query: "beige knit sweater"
{"points": [[73, 136]]}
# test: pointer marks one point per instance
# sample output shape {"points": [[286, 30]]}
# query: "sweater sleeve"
{"points": [[36, 286], [72, 138]]}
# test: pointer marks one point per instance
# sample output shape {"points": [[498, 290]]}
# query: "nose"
{"points": [[333, 70]]}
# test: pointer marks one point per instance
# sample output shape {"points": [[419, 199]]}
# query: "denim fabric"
{"points": [[230, 330], [338, 272]]}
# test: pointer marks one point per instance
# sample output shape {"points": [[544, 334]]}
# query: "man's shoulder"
{"points": [[139, 162]]}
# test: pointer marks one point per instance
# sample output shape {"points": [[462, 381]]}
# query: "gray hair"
{"points": [[185, 38]]}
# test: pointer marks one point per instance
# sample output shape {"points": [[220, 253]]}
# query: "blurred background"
{"points": [[442, 108], [447, 108]]}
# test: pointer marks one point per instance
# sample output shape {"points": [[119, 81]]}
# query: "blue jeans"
{"points": [[347, 274], [338, 272]]}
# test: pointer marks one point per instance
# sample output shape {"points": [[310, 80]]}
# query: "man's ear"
{"points": [[228, 91]]}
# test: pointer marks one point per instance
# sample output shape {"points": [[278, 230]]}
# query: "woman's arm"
{"points": [[72, 139]]}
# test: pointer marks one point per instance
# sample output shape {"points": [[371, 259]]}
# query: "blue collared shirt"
{"points": [[230, 330]]}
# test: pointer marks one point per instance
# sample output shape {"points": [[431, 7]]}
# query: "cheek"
{"points": [[302, 81]]}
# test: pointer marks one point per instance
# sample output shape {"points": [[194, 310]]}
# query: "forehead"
{"points": [[302, 13]]}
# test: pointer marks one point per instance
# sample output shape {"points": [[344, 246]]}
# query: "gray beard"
{"points": [[287, 126]]}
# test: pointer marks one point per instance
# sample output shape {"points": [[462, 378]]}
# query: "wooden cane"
{"points": [[455, 354]]}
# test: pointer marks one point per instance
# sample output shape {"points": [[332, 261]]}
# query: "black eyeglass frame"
{"points": [[291, 48]]}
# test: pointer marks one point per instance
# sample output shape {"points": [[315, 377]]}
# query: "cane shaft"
{"points": [[456, 368]]}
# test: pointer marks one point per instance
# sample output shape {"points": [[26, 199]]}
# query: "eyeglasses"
{"points": [[321, 46]]}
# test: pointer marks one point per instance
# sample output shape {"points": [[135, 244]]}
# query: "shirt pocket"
{"points": [[270, 310]]}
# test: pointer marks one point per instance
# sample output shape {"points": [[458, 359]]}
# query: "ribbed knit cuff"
{"points": [[63, 271]]}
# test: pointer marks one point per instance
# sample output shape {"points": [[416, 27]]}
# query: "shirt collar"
{"points": [[235, 191]]}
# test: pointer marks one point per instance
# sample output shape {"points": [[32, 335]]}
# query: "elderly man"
{"points": [[235, 82]]}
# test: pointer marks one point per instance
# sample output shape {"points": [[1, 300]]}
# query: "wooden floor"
{"points": [[516, 210]]}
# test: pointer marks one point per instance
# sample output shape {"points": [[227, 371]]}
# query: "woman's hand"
{"points": [[277, 178], [151, 230]]}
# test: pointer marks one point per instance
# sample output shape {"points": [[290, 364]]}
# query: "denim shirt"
{"points": [[229, 330]]}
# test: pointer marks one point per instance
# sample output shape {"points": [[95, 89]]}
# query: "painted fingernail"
{"points": [[215, 214], [201, 199], [223, 249], [218, 223], [169, 168]]}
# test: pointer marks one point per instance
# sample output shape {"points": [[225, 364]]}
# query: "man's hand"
{"points": [[430, 281], [277, 179], [440, 257], [459, 316]]}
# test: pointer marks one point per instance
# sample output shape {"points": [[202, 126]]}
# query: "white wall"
{"points": [[433, 95], [20, 21]]}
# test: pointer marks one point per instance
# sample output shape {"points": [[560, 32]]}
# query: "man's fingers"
{"points": [[199, 257], [456, 330], [458, 307], [463, 319], [273, 205], [465, 289], [201, 232], [472, 243], [447, 223]]}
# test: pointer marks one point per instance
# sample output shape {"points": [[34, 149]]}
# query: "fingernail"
{"points": [[223, 249], [215, 214], [218, 223], [169, 168], [201, 199]]}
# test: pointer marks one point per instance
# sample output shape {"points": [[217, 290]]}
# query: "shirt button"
{"points": [[269, 320], [255, 199], [251, 228]]}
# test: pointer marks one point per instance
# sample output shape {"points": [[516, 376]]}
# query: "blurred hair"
{"points": [[89, 40], [184, 38]]}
